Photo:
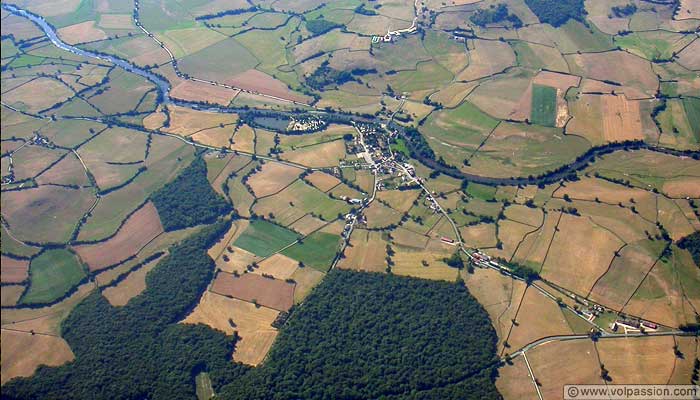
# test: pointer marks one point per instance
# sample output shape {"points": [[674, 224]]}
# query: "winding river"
{"points": [[164, 88]]}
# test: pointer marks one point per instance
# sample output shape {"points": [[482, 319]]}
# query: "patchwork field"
{"points": [[267, 292], [250, 146]]}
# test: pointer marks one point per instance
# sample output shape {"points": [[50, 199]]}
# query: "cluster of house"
{"points": [[633, 324], [36, 140], [305, 124]]}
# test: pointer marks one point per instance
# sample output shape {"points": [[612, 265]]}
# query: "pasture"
{"points": [[52, 274], [265, 238], [544, 105], [316, 250]]}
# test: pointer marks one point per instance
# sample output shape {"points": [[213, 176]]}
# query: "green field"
{"points": [[263, 238], [479, 191], [692, 112], [544, 105], [52, 274], [317, 250]]}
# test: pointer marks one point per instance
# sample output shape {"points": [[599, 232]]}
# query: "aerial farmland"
{"points": [[360, 199]]}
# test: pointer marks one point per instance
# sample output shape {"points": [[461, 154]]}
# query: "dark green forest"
{"points": [[369, 335], [139, 351], [557, 12], [189, 200]]}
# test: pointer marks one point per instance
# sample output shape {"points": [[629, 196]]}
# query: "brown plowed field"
{"points": [[142, 227], [200, 91], [13, 271], [271, 293], [263, 83], [23, 353]]}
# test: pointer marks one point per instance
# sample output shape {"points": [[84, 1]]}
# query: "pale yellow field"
{"points": [[243, 139], [409, 263], [500, 295], [320, 155], [620, 358], [559, 363], [579, 254], [538, 317], [130, 287], [277, 265], [252, 323], [186, 122], [366, 253], [323, 181], [479, 236], [306, 279]]}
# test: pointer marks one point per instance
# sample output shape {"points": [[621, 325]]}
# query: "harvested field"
{"points": [[199, 91], [560, 363], [44, 320], [685, 187], [319, 155], [23, 353], [306, 279], [267, 292], [524, 214], [322, 181], [130, 287], [689, 9], [632, 72], [260, 82], [237, 228], [297, 200], [500, 295], [252, 323], [39, 94], [487, 58], [141, 227], [453, 95], [81, 33], [238, 260], [272, 178], [621, 119], [68, 171], [366, 253], [619, 357], [31, 160], [580, 252], [279, 266], [381, 216], [410, 263], [479, 236], [307, 224], [116, 21], [244, 139], [669, 295], [537, 317], [185, 121], [13, 270], [407, 238], [46, 213], [625, 274], [399, 200], [10, 295], [514, 381]]}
